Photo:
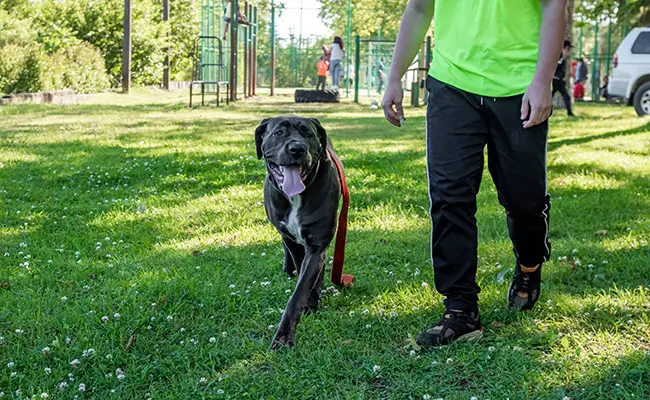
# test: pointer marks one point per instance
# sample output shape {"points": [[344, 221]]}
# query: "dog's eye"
{"points": [[304, 131], [278, 132]]}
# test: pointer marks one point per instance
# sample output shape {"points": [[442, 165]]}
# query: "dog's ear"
{"points": [[260, 131], [322, 134]]}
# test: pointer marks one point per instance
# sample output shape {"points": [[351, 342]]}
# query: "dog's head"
{"points": [[292, 147]]}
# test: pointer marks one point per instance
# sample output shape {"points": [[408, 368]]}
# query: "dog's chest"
{"points": [[292, 221]]}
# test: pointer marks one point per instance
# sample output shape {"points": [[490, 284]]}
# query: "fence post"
{"points": [[609, 46], [357, 59], [595, 81]]}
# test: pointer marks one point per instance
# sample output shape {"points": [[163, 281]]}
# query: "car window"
{"points": [[642, 44]]}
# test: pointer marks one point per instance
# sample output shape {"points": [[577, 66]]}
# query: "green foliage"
{"points": [[367, 19], [630, 12], [79, 67]]}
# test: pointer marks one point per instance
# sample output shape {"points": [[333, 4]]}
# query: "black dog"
{"points": [[301, 197]]}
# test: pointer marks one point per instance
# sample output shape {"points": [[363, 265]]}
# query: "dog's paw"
{"points": [[278, 344], [282, 340]]}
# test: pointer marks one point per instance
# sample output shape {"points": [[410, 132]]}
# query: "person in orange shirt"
{"points": [[322, 73]]}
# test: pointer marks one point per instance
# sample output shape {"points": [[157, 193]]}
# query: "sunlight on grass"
{"points": [[141, 210]]}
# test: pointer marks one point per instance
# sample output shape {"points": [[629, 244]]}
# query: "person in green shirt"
{"points": [[489, 85]]}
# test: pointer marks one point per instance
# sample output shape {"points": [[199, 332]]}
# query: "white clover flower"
{"points": [[491, 348], [376, 369], [11, 364], [116, 316], [75, 362], [62, 386], [64, 299], [169, 318], [88, 353], [426, 397], [105, 319], [213, 340], [82, 387], [220, 391], [450, 360], [412, 353], [368, 326], [365, 311], [48, 370], [44, 395], [203, 380]]}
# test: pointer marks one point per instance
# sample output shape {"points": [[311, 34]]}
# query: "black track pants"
{"points": [[459, 126]]}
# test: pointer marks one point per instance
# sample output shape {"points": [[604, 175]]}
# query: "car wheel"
{"points": [[642, 100]]}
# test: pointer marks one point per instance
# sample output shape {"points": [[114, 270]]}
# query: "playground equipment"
{"points": [[225, 59], [372, 59]]}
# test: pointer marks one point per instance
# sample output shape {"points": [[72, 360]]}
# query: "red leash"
{"points": [[338, 278]]}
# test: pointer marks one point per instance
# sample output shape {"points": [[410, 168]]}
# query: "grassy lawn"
{"points": [[136, 261]]}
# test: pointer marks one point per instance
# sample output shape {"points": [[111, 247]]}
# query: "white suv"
{"points": [[631, 73]]}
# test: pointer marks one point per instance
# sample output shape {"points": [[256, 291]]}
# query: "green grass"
{"points": [[140, 207]]}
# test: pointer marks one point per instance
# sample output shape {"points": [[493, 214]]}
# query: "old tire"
{"points": [[317, 96], [642, 100]]}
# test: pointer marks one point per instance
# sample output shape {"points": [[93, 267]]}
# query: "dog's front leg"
{"points": [[311, 267]]}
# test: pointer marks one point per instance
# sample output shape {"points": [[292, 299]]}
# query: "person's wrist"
{"points": [[541, 81]]}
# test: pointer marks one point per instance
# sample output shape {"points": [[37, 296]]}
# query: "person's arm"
{"points": [[413, 26], [537, 103]]}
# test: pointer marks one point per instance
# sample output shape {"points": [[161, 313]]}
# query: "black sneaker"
{"points": [[454, 326], [525, 287]]}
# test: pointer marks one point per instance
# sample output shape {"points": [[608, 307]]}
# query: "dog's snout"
{"points": [[296, 149]]}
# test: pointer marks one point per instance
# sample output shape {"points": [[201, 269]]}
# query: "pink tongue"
{"points": [[292, 184]]}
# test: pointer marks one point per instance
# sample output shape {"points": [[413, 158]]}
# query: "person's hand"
{"points": [[392, 103], [537, 104]]}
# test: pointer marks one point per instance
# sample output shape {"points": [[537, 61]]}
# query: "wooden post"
{"points": [[167, 27], [126, 48]]}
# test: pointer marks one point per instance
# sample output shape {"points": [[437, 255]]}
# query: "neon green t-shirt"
{"points": [[486, 47]]}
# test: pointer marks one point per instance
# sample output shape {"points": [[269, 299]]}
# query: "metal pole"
{"points": [[609, 45], [234, 12], [347, 53], [126, 48], [595, 82], [166, 65], [356, 69], [249, 54], [272, 48], [245, 49], [580, 43], [254, 85]]}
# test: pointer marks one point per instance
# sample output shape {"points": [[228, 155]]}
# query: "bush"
{"points": [[79, 67], [20, 69]]}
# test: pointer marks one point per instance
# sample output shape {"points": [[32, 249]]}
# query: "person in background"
{"points": [[559, 82], [241, 19], [580, 79], [603, 89], [322, 67], [337, 52]]}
